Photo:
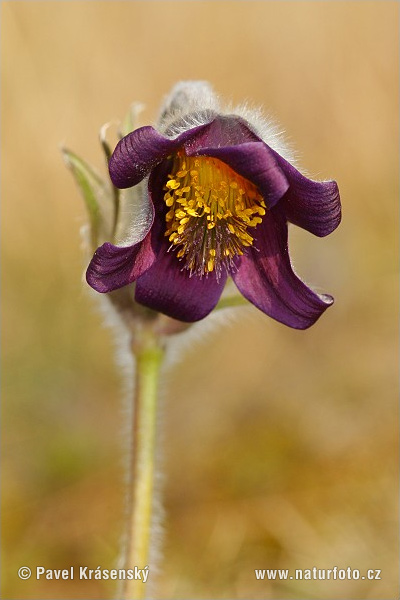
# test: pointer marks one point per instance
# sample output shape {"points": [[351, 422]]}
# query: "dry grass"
{"points": [[280, 446]]}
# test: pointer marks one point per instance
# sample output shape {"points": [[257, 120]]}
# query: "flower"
{"points": [[221, 199]]}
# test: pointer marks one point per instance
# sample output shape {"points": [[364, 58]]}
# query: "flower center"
{"points": [[211, 210]]}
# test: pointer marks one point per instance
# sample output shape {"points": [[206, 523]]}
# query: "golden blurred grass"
{"points": [[280, 447]]}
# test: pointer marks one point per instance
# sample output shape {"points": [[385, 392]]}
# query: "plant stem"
{"points": [[149, 354], [230, 301]]}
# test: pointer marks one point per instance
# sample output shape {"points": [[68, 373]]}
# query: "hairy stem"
{"points": [[149, 354]]}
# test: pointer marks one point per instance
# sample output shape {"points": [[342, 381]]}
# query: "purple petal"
{"points": [[265, 277], [112, 267], [221, 132], [136, 154], [168, 288], [312, 205], [141, 150], [255, 162]]}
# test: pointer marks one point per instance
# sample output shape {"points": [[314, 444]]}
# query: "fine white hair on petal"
{"points": [[189, 104], [265, 126], [194, 103], [135, 214]]}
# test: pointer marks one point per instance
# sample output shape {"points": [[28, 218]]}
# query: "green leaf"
{"points": [[91, 186]]}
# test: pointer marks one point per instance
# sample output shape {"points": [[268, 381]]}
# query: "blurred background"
{"points": [[280, 447]]}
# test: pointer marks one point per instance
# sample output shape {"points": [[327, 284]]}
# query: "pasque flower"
{"points": [[220, 199]]}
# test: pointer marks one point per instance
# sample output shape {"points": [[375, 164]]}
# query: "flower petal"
{"points": [[312, 205], [113, 267], [223, 131], [255, 162], [265, 277], [168, 288], [136, 154], [141, 150]]}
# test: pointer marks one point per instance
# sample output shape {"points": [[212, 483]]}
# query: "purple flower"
{"points": [[221, 200]]}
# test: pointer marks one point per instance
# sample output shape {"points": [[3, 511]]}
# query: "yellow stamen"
{"points": [[211, 209], [172, 184]]}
